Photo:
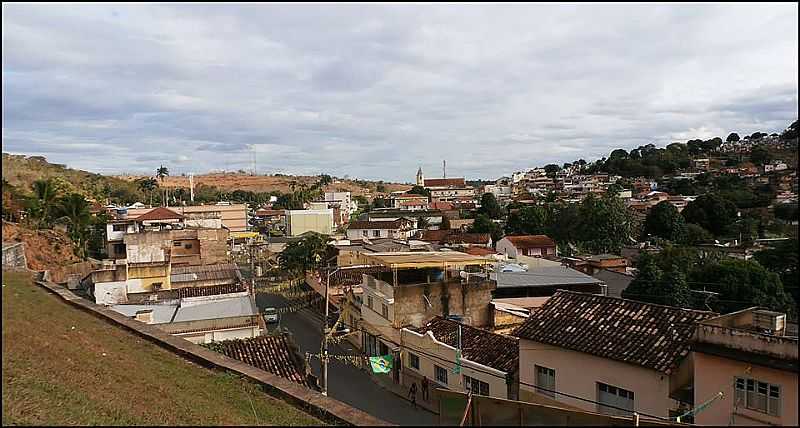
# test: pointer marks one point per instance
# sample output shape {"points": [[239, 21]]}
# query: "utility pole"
{"points": [[325, 332], [191, 187]]}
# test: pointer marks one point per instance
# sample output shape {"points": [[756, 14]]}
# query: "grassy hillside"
{"points": [[62, 366], [21, 171]]}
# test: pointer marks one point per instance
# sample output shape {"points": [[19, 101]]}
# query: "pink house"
{"points": [[527, 245], [608, 355]]}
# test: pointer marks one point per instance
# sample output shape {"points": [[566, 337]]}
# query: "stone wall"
{"points": [[14, 255], [469, 300]]}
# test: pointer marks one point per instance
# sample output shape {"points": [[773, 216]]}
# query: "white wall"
{"points": [[110, 293], [504, 246]]}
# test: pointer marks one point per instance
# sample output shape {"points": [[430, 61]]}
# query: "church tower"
{"points": [[420, 178]]}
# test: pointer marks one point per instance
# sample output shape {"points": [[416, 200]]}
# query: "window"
{"points": [[119, 227], [119, 248], [370, 345], [441, 375], [188, 246], [376, 233], [385, 310], [365, 233], [413, 361], [759, 396], [476, 386], [176, 243], [613, 396], [546, 378], [384, 349], [369, 301]]}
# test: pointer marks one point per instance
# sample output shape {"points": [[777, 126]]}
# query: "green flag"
{"points": [[381, 364]]}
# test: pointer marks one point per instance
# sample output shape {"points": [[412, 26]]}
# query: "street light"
{"points": [[324, 345]]}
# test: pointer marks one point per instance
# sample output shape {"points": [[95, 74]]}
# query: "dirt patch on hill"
{"points": [[44, 249], [261, 183]]}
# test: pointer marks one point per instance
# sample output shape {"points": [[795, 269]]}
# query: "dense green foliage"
{"points": [[484, 224], [490, 207], [711, 212], [665, 222], [307, 253]]}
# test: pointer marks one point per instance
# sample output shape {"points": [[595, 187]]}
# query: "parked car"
{"points": [[271, 315]]}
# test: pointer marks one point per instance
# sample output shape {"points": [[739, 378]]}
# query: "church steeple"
{"points": [[420, 178]]}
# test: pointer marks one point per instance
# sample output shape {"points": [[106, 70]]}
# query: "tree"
{"points": [[782, 259], [790, 133], [380, 203], [419, 190], [147, 186], [304, 254], [786, 212], [422, 222], [44, 197], [551, 170], [490, 207], [742, 284], [533, 220], [760, 155], [162, 172], [732, 137], [606, 224], [712, 212], [758, 135], [483, 224], [695, 234], [73, 209], [664, 221]]}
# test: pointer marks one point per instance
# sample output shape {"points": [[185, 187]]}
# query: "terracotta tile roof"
{"points": [[434, 235], [275, 354], [531, 241], [269, 213], [483, 347], [364, 224], [479, 251], [443, 206], [467, 238], [649, 335], [217, 271], [159, 213], [444, 182], [413, 203]]}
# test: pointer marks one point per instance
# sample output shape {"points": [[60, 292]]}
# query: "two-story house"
{"points": [[527, 245], [401, 228]]}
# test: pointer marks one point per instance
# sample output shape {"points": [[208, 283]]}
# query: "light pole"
{"points": [[324, 345]]}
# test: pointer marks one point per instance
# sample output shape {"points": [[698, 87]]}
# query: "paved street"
{"points": [[346, 383]]}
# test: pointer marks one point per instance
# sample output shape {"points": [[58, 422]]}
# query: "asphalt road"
{"points": [[346, 383]]}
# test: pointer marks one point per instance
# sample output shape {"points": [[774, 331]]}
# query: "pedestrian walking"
{"points": [[425, 396], [412, 394]]}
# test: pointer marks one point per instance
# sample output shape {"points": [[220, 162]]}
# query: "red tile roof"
{"points": [[467, 238], [483, 347], [269, 213], [443, 206], [649, 335], [159, 213], [479, 251], [531, 241], [275, 354], [444, 182]]}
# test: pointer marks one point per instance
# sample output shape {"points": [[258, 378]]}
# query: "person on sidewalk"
{"points": [[425, 396], [412, 394]]}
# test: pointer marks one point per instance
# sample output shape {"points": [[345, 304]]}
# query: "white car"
{"points": [[271, 315]]}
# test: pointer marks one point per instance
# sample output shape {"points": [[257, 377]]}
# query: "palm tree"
{"points": [[162, 172], [44, 195], [73, 210], [147, 185]]}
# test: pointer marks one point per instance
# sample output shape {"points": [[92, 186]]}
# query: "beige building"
{"points": [[302, 221], [751, 359], [488, 363], [620, 356]]}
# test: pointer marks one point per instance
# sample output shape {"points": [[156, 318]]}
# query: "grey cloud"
{"points": [[373, 91]]}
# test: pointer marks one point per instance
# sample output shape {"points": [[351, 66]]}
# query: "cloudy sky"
{"points": [[374, 91]]}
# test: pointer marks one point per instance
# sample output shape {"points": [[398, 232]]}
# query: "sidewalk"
{"points": [[386, 382]]}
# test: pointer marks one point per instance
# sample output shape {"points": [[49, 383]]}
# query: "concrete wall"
{"points": [[111, 293], [504, 246], [220, 335], [143, 279], [148, 247], [301, 221], [714, 374], [471, 301], [577, 374]]}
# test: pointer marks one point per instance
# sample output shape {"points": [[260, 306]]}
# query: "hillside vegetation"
{"points": [[62, 366]]}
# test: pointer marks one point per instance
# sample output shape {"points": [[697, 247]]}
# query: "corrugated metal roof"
{"points": [[544, 276], [223, 308], [161, 313]]}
